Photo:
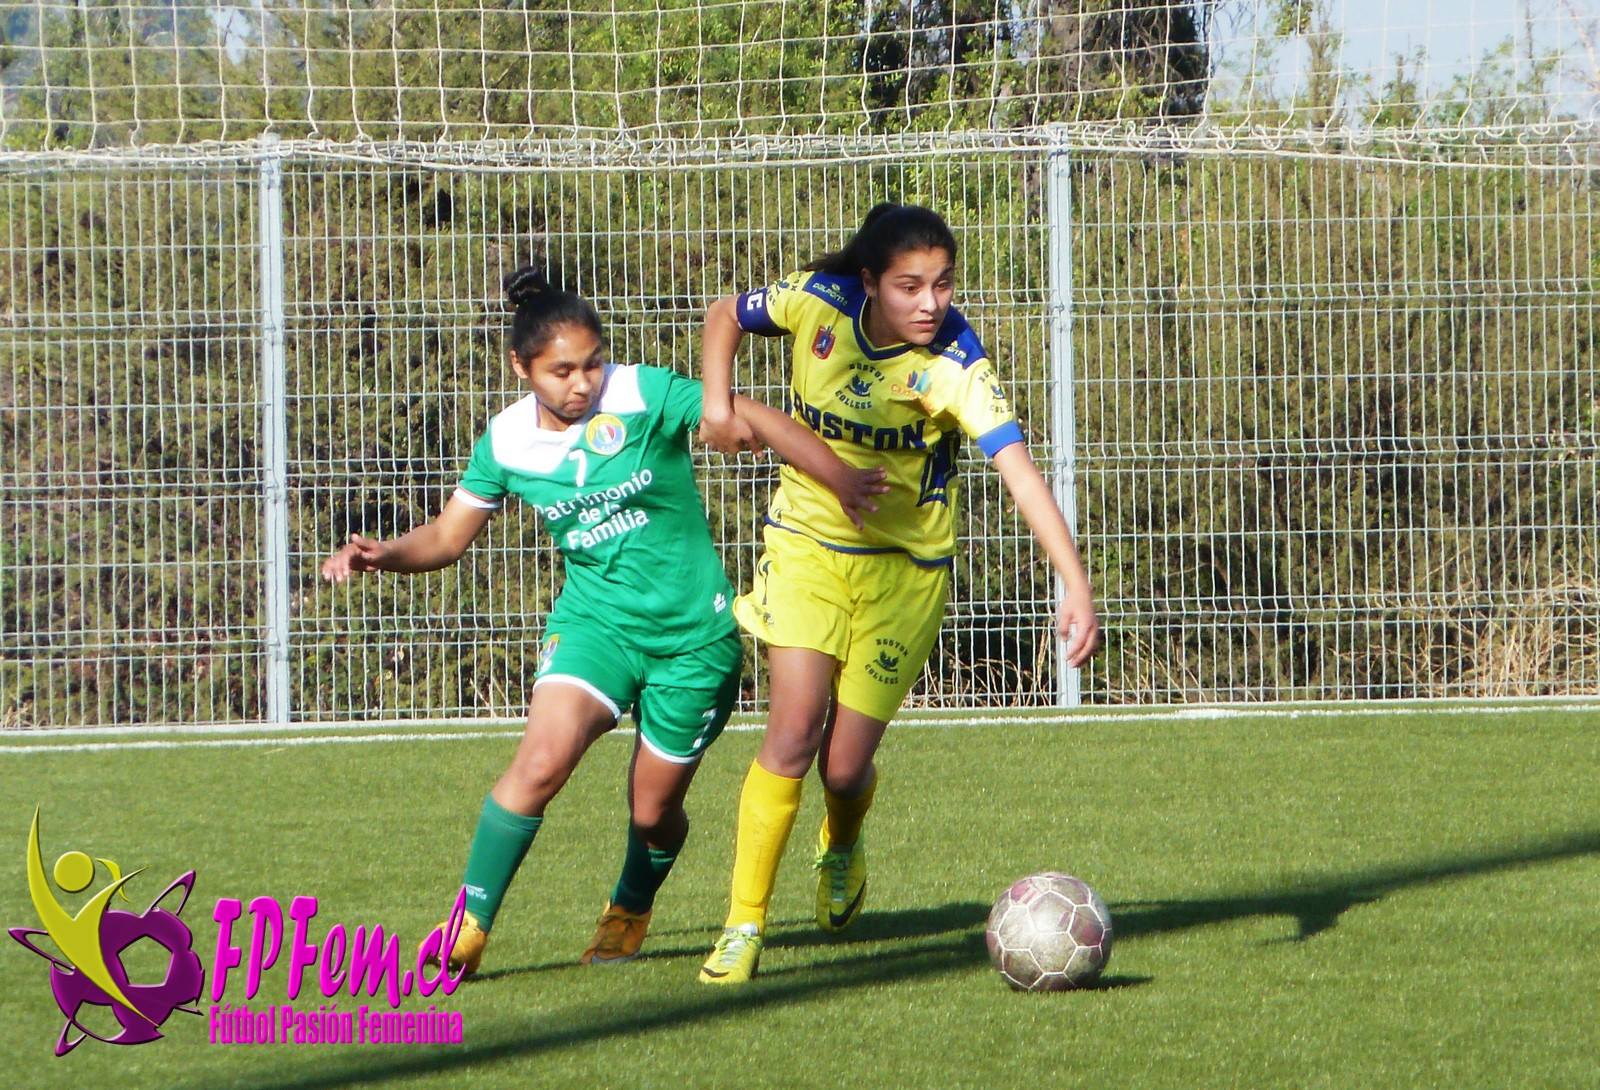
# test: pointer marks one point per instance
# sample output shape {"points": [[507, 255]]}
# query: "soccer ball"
{"points": [[1049, 932]]}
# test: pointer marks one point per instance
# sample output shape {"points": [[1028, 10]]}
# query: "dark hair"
{"points": [[888, 231], [541, 307]]}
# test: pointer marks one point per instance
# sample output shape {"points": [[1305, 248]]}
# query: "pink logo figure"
{"points": [[92, 941]]}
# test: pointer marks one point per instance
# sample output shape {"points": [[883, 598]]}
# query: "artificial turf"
{"points": [[1367, 899]]}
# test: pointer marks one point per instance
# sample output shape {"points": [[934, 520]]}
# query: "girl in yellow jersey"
{"points": [[889, 374]]}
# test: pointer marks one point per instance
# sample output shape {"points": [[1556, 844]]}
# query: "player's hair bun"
{"points": [[541, 305], [525, 285]]}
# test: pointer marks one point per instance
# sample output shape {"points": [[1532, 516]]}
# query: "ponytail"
{"points": [[888, 231]]}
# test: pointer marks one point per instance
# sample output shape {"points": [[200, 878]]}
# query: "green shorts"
{"points": [[681, 702]]}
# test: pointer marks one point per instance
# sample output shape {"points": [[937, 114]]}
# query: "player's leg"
{"points": [[849, 781], [896, 623], [845, 766], [658, 826], [800, 691], [576, 699], [800, 682], [685, 702], [563, 722], [800, 608]]}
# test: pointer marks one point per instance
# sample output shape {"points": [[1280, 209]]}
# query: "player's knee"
{"points": [[657, 820], [538, 777], [796, 732], [789, 753], [846, 781]]}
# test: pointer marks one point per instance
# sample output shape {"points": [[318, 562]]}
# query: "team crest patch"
{"points": [[885, 666], [857, 393], [917, 384], [605, 434], [548, 652], [823, 344]]}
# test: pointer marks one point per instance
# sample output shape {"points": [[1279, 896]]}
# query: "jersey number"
{"points": [[582, 459], [700, 739]]}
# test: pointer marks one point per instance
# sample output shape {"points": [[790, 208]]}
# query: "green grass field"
{"points": [[1357, 900]]}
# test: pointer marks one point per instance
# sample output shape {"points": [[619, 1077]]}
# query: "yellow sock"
{"points": [[767, 807], [846, 815]]}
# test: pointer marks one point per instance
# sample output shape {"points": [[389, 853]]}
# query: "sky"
{"points": [[1452, 35]]}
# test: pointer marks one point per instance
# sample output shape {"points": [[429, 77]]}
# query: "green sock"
{"points": [[497, 850], [643, 870]]}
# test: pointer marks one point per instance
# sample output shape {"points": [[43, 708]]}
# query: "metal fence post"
{"points": [[1064, 478], [274, 434]]}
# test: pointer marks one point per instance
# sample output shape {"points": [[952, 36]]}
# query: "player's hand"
{"points": [[362, 554], [1079, 626], [728, 434], [855, 489]]}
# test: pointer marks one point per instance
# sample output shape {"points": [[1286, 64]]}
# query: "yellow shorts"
{"points": [[877, 613]]}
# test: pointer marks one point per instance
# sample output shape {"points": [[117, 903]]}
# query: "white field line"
{"points": [[919, 717], [276, 742], [314, 733]]}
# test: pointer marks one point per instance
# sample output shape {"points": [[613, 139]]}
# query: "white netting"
{"points": [[598, 77]]}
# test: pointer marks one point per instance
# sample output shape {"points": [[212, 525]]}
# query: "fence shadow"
{"points": [[910, 923], [597, 1023], [1315, 906]]}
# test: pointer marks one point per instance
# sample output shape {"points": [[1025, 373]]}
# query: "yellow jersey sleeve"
{"points": [[969, 392], [773, 311]]}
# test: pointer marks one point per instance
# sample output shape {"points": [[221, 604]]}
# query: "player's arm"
{"points": [[799, 446], [720, 427], [429, 547], [1076, 620], [973, 394]]}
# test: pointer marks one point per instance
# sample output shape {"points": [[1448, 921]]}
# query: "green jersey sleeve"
{"points": [[679, 398], [484, 483]]}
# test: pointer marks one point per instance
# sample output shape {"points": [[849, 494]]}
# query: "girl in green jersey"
{"points": [[644, 621]]}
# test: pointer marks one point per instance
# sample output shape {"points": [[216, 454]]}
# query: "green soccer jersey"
{"points": [[616, 490]]}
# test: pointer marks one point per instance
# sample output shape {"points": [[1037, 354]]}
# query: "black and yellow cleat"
{"points": [[841, 882], [733, 959]]}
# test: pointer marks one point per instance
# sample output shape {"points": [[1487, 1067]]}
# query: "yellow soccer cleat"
{"points": [[468, 951], [841, 882], [733, 959], [617, 937]]}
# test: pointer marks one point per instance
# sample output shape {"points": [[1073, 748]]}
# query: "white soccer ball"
{"points": [[1049, 932]]}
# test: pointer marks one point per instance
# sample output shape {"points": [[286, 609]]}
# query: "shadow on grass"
{"points": [[587, 1025], [907, 923], [910, 923], [796, 921], [1116, 983], [1316, 907]]}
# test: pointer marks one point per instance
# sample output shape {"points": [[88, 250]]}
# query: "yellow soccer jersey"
{"points": [[902, 407]]}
